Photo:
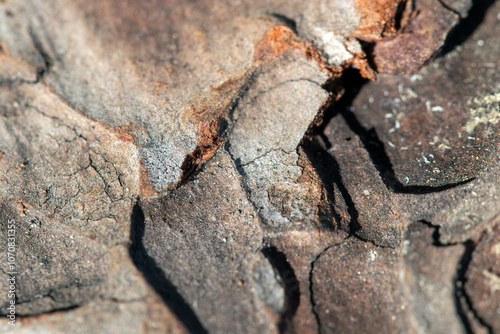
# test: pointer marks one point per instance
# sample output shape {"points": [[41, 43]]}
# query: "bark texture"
{"points": [[251, 166]]}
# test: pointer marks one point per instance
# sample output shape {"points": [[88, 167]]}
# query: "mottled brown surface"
{"points": [[420, 39], [361, 292], [222, 166], [483, 278]]}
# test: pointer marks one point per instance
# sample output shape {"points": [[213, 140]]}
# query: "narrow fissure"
{"points": [[47, 60], [156, 277], [462, 31], [461, 299], [353, 83], [329, 173], [290, 283], [311, 291], [221, 128], [311, 285]]}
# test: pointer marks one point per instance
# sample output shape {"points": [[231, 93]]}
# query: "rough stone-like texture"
{"points": [[375, 289], [169, 60], [263, 141], [361, 293], [221, 237], [44, 279], [176, 166], [65, 165], [293, 255], [105, 317], [428, 132], [430, 275], [124, 303], [379, 138], [483, 278], [423, 32], [367, 203]]}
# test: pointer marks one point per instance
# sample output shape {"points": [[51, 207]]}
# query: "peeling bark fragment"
{"points": [[360, 194], [417, 42], [433, 136], [264, 145], [186, 120]]}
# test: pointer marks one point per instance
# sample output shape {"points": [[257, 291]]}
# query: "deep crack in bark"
{"points": [[461, 298], [156, 277], [311, 287], [290, 283]]}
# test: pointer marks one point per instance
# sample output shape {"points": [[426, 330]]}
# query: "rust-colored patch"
{"points": [[378, 18], [279, 39], [146, 188], [208, 141], [275, 42], [360, 62], [210, 110], [309, 173], [1, 155], [124, 133], [211, 115]]}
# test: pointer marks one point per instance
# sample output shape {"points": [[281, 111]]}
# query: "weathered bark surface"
{"points": [[213, 166]]}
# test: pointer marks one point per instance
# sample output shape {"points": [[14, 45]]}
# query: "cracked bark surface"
{"points": [[213, 166]]}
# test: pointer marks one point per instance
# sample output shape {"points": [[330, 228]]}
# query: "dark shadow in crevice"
{"points": [[156, 277], [47, 60], [328, 170], [210, 145], [462, 31], [458, 288], [324, 164], [353, 82], [311, 291], [290, 283], [290, 23], [403, 7], [462, 300], [436, 236]]}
